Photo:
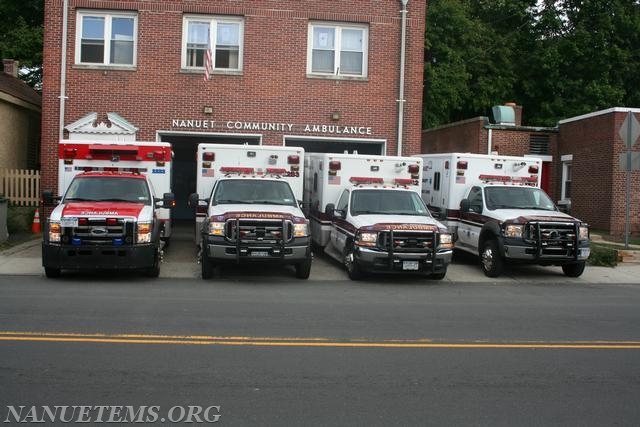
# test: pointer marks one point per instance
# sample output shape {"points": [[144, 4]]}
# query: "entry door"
{"points": [[545, 180]]}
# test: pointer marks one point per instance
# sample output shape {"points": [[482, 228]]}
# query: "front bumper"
{"points": [[520, 250], [68, 257], [378, 261], [220, 250]]}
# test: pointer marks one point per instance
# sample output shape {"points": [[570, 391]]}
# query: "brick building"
{"points": [[581, 159], [325, 75]]}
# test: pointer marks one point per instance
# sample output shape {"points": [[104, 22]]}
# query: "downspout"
{"points": [[401, 99], [489, 142], [63, 68]]}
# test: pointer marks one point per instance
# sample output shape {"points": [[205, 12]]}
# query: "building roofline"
{"points": [[599, 113]]}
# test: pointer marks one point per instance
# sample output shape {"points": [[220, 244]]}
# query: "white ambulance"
{"points": [[366, 212], [247, 207], [496, 209], [153, 159]]}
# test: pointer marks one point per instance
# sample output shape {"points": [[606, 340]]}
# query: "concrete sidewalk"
{"points": [[180, 262]]}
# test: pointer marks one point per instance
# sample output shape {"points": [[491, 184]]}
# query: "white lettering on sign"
{"points": [[271, 127], [347, 130], [197, 124]]}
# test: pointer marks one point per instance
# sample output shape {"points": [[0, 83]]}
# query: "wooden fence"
{"points": [[20, 186]]}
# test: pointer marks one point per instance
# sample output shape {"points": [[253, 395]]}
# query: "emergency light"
{"points": [[366, 180]]}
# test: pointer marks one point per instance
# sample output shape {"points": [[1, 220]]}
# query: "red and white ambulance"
{"points": [[153, 159]]}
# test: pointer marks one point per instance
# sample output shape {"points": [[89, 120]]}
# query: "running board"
{"points": [[333, 253]]}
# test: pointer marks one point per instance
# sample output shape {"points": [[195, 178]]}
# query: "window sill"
{"points": [[334, 77], [214, 73], [105, 67]]}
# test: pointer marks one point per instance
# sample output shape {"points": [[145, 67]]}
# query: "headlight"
{"points": [[216, 228], [584, 232], [513, 231], [54, 231], [367, 239], [144, 233], [300, 230], [446, 240]]}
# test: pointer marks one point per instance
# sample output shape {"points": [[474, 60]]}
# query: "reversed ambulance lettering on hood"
{"points": [[405, 227], [99, 213]]}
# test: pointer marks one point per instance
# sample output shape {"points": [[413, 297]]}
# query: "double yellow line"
{"points": [[306, 342]]}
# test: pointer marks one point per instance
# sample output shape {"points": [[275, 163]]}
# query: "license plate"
{"points": [[68, 222], [260, 253], [410, 265]]}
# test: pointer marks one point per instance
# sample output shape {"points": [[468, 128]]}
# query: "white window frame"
{"points": [[567, 162], [338, 27], [213, 21], [108, 17]]}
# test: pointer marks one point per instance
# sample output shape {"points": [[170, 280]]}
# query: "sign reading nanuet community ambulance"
{"points": [[269, 127]]}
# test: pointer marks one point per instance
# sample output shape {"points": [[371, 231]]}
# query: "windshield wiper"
{"points": [[540, 208], [370, 213], [78, 199], [271, 202], [231, 202], [114, 199]]}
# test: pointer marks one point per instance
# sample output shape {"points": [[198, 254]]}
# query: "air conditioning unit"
{"points": [[504, 115]]}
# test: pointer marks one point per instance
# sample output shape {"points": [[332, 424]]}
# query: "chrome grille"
{"points": [[406, 241], [96, 231], [258, 231], [554, 238]]}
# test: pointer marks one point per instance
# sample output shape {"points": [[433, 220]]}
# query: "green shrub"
{"points": [[603, 256], [20, 218]]}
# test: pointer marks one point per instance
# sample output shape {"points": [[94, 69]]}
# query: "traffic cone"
{"points": [[35, 227]]}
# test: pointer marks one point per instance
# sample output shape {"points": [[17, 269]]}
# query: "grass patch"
{"points": [[603, 255]]}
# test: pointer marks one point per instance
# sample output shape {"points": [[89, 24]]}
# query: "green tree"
{"points": [[21, 29], [471, 56]]}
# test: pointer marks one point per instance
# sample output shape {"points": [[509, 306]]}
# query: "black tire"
{"points": [[574, 270], [490, 259], [440, 275], [154, 271], [52, 273], [207, 267], [303, 269], [353, 270]]}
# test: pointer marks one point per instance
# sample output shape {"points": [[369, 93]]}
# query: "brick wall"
{"points": [[273, 86], [598, 183], [465, 136]]}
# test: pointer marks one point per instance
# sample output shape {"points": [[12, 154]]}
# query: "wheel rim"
{"points": [[487, 259], [348, 261]]}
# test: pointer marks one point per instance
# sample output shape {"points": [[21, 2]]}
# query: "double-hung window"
{"points": [[567, 163], [223, 35], [337, 50], [106, 38]]}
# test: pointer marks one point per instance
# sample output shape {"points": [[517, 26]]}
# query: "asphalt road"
{"points": [[288, 352]]}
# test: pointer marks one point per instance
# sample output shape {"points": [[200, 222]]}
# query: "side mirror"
{"points": [[464, 205], [193, 200], [330, 209], [168, 200], [340, 213], [47, 197]]}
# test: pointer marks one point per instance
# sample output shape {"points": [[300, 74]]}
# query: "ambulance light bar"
{"points": [[501, 178], [404, 181], [276, 171], [238, 170], [366, 180]]}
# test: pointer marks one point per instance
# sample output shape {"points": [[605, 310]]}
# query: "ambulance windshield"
{"points": [[253, 191], [517, 198], [387, 202], [108, 189]]}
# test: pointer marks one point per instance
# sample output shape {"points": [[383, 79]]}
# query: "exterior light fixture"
{"points": [[336, 115], [207, 110]]}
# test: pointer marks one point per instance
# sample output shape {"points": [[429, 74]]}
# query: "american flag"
{"points": [[208, 60]]}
